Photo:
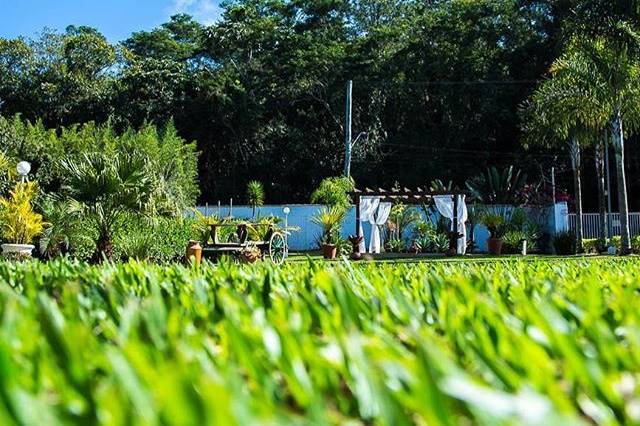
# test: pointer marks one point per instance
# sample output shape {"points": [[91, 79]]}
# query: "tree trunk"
{"points": [[617, 137], [104, 249], [603, 234], [575, 165]]}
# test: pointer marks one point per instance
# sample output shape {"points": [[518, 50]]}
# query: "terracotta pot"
{"points": [[329, 251], [194, 252], [494, 245]]}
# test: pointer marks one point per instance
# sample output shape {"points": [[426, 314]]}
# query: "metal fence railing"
{"points": [[591, 224]]}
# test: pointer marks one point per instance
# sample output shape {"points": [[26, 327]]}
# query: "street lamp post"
{"points": [[286, 210]]}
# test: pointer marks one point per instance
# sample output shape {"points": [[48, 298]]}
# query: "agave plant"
{"points": [[498, 186]]}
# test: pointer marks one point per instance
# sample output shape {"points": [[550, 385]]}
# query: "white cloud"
{"points": [[205, 11]]}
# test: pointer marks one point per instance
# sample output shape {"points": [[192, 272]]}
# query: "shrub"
{"points": [[19, 223], [170, 162], [160, 240], [334, 192], [512, 242], [564, 243], [395, 245], [495, 223], [590, 245]]}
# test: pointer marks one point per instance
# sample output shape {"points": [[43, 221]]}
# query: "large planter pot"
{"points": [[494, 245], [194, 252], [329, 251], [17, 249]]}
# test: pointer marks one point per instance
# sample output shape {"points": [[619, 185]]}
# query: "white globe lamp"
{"points": [[23, 168]]}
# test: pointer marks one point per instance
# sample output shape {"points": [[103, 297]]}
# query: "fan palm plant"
{"points": [[103, 189]]}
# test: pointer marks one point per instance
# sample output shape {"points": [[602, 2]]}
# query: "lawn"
{"points": [[541, 341]]}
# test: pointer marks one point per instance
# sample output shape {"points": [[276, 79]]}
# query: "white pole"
{"points": [[553, 184], [606, 162], [347, 131]]}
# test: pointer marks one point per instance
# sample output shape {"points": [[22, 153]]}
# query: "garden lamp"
{"points": [[286, 210], [23, 168]]}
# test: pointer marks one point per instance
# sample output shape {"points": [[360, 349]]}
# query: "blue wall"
{"points": [[555, 217]]}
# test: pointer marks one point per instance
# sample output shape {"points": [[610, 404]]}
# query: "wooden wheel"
{"points": [[278, 248]]}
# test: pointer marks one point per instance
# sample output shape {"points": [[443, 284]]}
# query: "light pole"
{"points": [[286, 210]]}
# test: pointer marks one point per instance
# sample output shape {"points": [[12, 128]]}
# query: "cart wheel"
{"points": [[278, 248]]}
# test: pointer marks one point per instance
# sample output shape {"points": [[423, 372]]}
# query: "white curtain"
{"points": [[444, 204], [368, 207], [384, 209]]}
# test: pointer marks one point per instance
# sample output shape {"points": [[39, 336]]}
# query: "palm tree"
{"points": [[105, 188], [607, 72], [562, 111], [600, 158]]}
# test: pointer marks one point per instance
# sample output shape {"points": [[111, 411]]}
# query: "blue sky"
{"points": [[116, 19]]}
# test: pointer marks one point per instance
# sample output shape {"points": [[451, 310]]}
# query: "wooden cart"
{"points": [[273, 245]]}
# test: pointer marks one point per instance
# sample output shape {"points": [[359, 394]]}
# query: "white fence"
{"points": [[591, 224]]}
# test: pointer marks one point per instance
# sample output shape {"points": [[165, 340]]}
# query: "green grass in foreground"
{"points": [[537, 342]]}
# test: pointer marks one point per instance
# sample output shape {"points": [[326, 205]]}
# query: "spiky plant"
{"points": [[255, 195], [104, 188]]}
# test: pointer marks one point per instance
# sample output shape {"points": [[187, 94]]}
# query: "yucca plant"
{"points": [[330, 220], [19, 223]]}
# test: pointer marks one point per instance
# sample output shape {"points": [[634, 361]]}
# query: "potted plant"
{"points": [[355, 241], [495, 223], [19, 223], [251, 254], [329, 219]]}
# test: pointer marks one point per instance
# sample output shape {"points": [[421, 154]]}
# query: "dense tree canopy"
{"points": [[437, 85]]}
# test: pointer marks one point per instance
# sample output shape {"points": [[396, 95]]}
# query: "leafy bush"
{"points": [[395, 245], [334, 192], [590, 245], [564, 243], [161, 240], [170, 162], [512, 242], [495, 223], [19, 223]]}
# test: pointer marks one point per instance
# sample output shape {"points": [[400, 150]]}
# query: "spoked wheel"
{"points": [[278, 248]]}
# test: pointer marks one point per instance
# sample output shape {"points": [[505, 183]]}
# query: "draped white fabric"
{"points": [[444, 204], [384, 209], [368, 207]]}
